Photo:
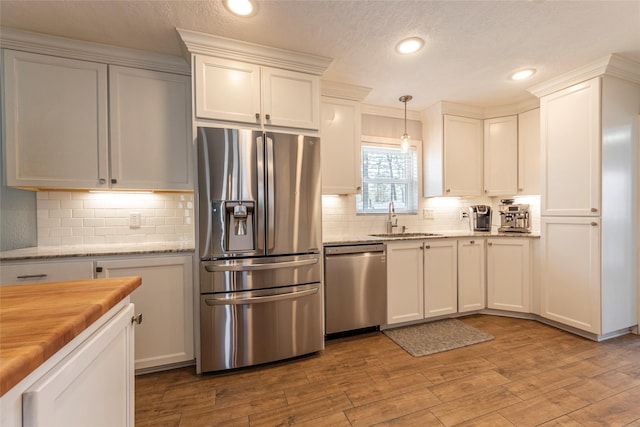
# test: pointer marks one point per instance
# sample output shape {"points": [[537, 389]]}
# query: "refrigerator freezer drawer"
{"points": [[249, 328], [259, 273]]}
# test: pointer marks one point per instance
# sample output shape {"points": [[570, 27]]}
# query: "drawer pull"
{"points": [[32, 276], [594, 224]]}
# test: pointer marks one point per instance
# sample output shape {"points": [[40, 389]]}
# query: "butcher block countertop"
{"points": [[38, 320]]}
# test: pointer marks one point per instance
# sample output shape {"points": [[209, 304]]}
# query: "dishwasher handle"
{"points": [[354, 249]]}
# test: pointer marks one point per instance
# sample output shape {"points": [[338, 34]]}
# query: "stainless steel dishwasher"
{"points": [[355, 281]]}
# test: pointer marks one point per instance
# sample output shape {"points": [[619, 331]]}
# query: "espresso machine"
{"points": [[514, 217], [480, 217]]}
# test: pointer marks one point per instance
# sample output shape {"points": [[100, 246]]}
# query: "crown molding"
{"points": [[11, 38], [344, 90], [397, 113], [613, 65], [221, 47]]}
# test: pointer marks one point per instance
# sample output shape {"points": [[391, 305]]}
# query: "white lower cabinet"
{"points": [[570, 272], [471, 275], [440, 277], [92, 386], [508, 274], [40, 272], [404, 281], [165, 300]]}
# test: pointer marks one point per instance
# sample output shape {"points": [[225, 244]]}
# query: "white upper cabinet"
{"points": [[529, 152], [570, 139], [462, 156], [501, 156], [83, 125], [227, 90], [150, 129], [236, 91], [56, 121]]}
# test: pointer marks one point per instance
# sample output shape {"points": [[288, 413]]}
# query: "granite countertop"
{"points": [[343, 240], [43, 252], [39, 319]]}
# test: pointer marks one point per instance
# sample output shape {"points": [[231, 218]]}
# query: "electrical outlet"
{"points": [[134, 220], [427, 214], [463, 215]]}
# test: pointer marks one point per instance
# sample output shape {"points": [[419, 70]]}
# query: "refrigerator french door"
{"points": [[259, 231]]}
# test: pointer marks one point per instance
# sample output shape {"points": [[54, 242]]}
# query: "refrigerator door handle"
{"points": [[255, 300], [270, 193], [266, 266]]}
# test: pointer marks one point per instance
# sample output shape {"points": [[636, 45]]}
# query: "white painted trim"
{"points": [[344, 90], [221, 47], [613, 65], [397, 113], [11, 38]]}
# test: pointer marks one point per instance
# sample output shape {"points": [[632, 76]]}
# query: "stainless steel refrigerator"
{"points": [[259, 243]]}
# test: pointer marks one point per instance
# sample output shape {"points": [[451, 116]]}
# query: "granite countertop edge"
{"points": [[437, 235], [71, 251]]}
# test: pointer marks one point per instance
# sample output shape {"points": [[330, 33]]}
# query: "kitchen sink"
{"points": [[405, 235]]}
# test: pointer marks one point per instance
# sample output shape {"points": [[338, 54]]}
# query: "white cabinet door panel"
{"points": [[508, 274], [405, 287], [290, 99], [570, 274], [471, 275], [529, 152], [56, 121], [501, 156], [150, 130], [227, 90], [165, 300], [440, 278], [463, 155], [93, 386], [570, 138]]}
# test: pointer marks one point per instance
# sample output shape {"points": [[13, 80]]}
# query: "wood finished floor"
{"points": [[530, 375]]}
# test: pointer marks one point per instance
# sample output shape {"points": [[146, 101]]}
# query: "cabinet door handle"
{"points": [[137, 319], [521, 189], [486, 191], [99, 269], [32, 276], [427, 247], [257, 116], [594, 224], [489, 244], [114, 181], [594, 210], [267, 116], [102, 181], [473, 242], [448, 190]]}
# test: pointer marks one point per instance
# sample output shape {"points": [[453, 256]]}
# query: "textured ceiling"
{"points": [[471, 46]]}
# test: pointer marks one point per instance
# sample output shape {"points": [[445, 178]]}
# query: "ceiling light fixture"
{"points": [[410, 45], [404, 146], [240, 7], [523, 74]]}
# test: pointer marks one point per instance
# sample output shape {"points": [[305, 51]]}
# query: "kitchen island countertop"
{"points": [[343, 240], [37, 320]]}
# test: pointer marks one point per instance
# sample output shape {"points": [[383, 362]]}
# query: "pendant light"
{"points": [[404, 147]]}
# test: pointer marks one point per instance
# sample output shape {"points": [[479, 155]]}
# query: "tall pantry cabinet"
{"points": [[589, 197]]}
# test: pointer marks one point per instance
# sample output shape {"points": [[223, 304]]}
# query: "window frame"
{"points": [[386, 142]]}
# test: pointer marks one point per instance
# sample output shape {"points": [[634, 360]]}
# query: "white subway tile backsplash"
{"points": [[66, 218]]}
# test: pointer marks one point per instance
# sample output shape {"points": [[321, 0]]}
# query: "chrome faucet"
{"points": [[391, 224]]}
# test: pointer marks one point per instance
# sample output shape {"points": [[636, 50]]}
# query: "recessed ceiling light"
{"points": [[240, 7], [523, 74], [410, 45]]}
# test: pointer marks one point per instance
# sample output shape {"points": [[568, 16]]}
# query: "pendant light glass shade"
{"points": [[404, 146]]}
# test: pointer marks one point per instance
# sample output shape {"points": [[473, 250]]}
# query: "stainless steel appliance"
{"points": [[480, 217], [514, 217], [259, 240], [355, 287]]}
